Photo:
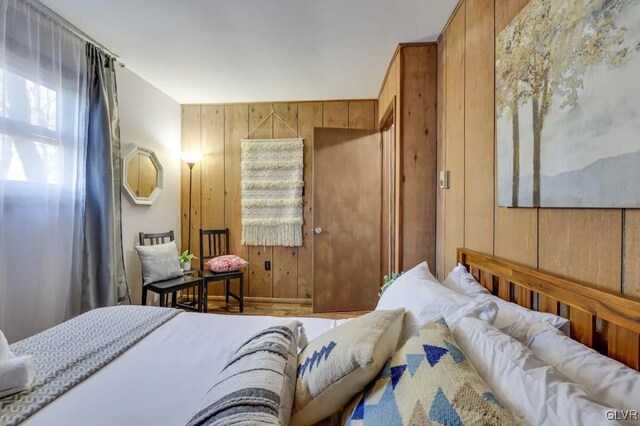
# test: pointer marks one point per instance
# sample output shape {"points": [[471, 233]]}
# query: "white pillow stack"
{"points": [[605, 379], [512, 319], [537, 370], [529, 387], [424, 299]]}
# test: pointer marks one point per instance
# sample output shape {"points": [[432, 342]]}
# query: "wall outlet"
{"points": [[444, 179], [267, 265]]}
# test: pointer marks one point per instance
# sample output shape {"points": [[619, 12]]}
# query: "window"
{"points": [[30, 140]]}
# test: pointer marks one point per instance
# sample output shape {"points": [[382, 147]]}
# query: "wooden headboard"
{"points": [[600, 319]]}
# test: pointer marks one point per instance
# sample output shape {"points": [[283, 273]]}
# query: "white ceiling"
{"points": [[218, 51]]}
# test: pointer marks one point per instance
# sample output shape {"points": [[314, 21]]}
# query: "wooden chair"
{"points": [[171, 286], [217, 244]]}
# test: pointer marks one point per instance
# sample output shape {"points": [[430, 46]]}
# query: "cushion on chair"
{"points": [[226, 263], [159, 262]]}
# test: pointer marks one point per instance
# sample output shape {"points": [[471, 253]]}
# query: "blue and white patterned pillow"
{"points": [[338, 364], [428, 381]]}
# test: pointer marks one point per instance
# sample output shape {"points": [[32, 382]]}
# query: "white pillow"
{"points": [[424, 299], [607, 380], [512, 319], [460, 280], [530, 388]]}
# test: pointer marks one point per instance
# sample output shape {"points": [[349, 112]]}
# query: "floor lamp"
{"points": [[191, 158]]}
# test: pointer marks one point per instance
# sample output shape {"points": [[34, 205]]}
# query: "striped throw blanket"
{"points": [[257, 385], [67, 354], [272, 182]]}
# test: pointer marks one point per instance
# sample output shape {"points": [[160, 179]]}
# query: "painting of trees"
{"points": [[542, 58]]}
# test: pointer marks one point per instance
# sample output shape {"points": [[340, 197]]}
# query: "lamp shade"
{"points": [[191, 157]]}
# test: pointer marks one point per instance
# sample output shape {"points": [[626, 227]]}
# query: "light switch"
{"points": [[444, 179]]}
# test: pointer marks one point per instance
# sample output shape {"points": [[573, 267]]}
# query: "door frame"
{"points": [[390, 120]]}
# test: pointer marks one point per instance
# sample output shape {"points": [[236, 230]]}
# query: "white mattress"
{"points": [[160, 380]]}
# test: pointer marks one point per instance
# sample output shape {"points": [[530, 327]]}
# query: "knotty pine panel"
{"points": [[632, 253], [441, 163], [309, 117], [419, 97], [362, 115], [454, 58], [236, 127], [212, 171], [191, 140], [582, 244], [479, 120], [336, 114]]}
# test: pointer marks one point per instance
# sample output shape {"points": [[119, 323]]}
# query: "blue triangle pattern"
{"points": [[434, 353], [316, 358], [492, 398], [443, 412], [442, 321], [386, 371], [413, 362], [385, 412], [358, 413], [396, 373], [456, 353]]}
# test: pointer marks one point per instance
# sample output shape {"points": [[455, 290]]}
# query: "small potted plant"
{"points": [[185, 260], [387, 281]]}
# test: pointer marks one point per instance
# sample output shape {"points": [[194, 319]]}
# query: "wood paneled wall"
{"points": [[410, 88], [597, 246], [216, 131]]}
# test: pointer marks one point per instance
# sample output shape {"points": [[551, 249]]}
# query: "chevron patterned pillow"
{"points": [[428, 382], [337, 365]]}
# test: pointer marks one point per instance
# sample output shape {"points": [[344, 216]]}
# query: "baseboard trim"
{"points": [[268, 300]]}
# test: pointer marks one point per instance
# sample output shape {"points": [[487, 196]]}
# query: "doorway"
{"points": [[347, 219]]}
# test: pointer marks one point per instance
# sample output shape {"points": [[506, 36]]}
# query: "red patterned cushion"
{"points": [[226, 263]]}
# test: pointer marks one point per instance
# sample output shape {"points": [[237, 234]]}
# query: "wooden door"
{"points": [[347, 203]]}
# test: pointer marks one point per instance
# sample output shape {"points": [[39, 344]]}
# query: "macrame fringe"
{"points": [[274, 202], [285, 235], [270, 165], [278, 184]]}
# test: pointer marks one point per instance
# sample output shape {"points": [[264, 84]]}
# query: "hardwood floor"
{"points": [[275, 309]]}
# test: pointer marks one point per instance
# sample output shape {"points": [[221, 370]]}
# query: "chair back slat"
{"points": [[217, 244], [155, 238]]}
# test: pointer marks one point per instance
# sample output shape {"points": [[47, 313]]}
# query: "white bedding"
{"points": [[160, 380]]}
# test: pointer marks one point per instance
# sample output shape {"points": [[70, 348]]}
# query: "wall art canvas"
{"points": [[568, 105]]}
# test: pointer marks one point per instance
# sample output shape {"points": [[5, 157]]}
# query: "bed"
{"points": [[160, 379]]}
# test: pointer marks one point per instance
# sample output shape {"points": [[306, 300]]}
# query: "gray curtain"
{"points": [[103, 274]]}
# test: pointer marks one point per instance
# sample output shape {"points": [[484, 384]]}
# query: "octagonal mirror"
{"points": [[142, 176]]}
